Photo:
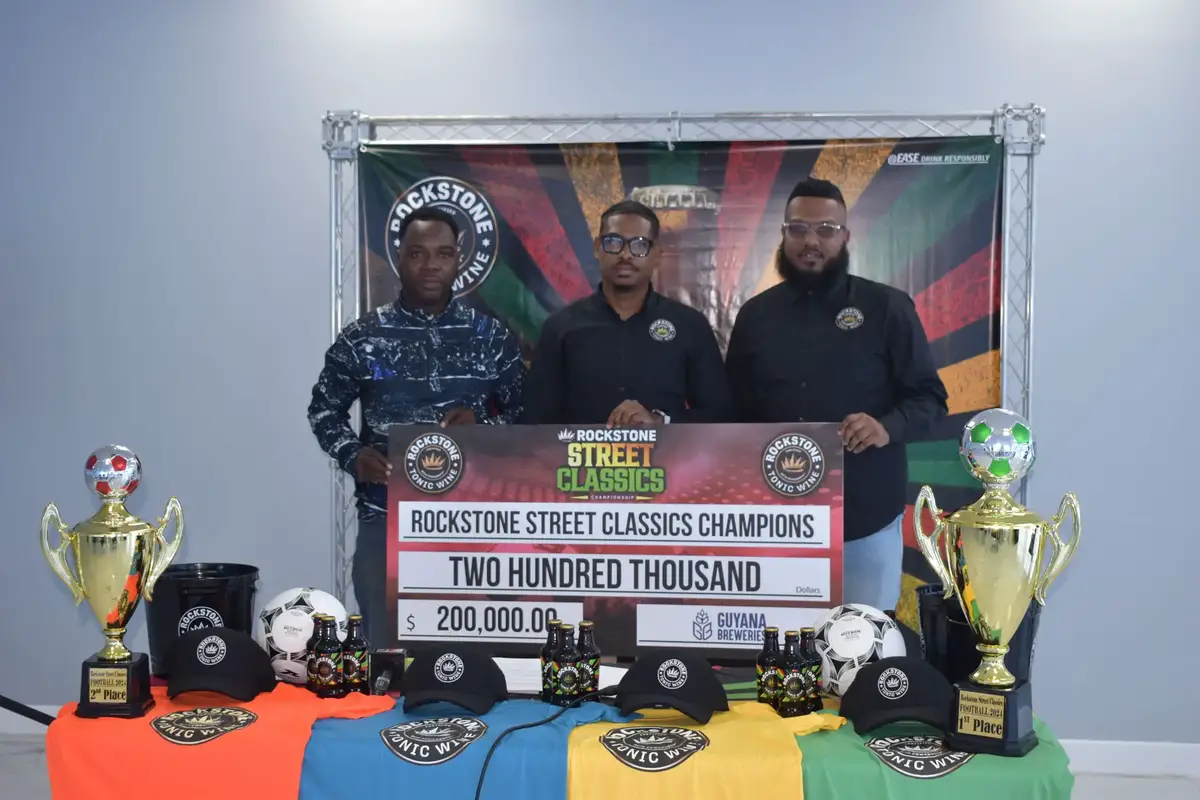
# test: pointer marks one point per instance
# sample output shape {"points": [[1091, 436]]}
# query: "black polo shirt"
{"points": [[819, 356], [589, 361]]}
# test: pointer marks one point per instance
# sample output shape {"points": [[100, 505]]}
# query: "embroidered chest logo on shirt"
{"points": [[918, 756], [793, 465], [662, 330], [652, 749], [433, 463], [201, 725], [427, 742], [849, 318]]}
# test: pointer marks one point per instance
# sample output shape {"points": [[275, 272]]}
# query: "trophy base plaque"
{"points": [[115, 688], [997, 722]]}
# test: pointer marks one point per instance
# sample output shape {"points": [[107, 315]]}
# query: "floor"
{"points": [[23, 772]]}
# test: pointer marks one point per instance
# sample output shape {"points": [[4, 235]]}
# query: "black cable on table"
{"points": [[611, 690]]}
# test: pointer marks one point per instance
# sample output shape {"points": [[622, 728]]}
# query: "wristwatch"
{"points": [[666, 418]]}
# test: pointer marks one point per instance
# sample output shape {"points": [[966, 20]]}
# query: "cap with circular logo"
{"points": [[900, 689], [219, 660], [679, 680], [464, 677]]}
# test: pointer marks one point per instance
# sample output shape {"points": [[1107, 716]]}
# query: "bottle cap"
{"points": [[771, 629]]}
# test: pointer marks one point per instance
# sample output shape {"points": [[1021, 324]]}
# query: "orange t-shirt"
{"points": [[199, 745]]}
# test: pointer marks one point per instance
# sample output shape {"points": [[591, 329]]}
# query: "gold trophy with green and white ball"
{"points": [[992, 556]]}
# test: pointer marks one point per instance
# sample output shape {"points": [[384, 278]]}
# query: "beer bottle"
{"points": [[791, 678], [566, 668], [310, 648], [356, 657], [812, 669], [329, 661], [547, 658], [765, 664], [589, 658]]}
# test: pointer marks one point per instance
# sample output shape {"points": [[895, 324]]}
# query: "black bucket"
{"points": [[191, 596], [948, 643]]}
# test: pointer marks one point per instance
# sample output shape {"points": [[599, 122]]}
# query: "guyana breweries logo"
{"points": [[478, 236], [610, 465]]}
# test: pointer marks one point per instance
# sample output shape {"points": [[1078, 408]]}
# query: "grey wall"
{"points": [[164, 240]]}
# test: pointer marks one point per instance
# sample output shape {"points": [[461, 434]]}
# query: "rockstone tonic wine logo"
{"points": [[448, 668], [918, 756], [426, 742], [201, 725], [793, 465], [199, 617], [433, 463], [211, 651], [653, 749], [892, 684], [478, 234]]}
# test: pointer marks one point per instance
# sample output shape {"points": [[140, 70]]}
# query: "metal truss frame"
{"points": [[1020, 128]]}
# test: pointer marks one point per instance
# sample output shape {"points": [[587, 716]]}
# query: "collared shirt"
{"points": [[407, 367], [589, 361], [858, 347]]}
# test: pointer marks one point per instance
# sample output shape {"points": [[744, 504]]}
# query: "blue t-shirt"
{"points": [[438, 751]]}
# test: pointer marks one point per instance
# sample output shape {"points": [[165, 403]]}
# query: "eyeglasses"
{"points": [[824, 230], [614, 243]]}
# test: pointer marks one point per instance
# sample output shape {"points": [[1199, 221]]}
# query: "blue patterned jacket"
{"points": [[407, 367]]}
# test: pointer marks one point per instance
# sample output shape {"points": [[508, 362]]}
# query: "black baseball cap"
{"points": [[219, 660], [679, 680], [464, 677], [900, 689]]}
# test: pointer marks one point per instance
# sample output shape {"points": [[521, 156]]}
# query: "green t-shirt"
{"points": [[908, 760]]}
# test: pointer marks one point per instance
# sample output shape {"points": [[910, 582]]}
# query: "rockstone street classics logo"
{"points": [[672, 674], [433, 463], [793, 465], [615, 464], [653, 749], [199, 617], [201, 725], [892, 684], [211, 651], [426, 742], [448, 668], [478, 234], [918, 756], [849, 318], [662, 330]]}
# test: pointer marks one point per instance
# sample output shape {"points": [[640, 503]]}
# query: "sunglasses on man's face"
{"points": [[614, 243], [824, 230]]}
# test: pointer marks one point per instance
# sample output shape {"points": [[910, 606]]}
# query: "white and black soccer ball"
{"points": [[286, 623], [848, 638]]}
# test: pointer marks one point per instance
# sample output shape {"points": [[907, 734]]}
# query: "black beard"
{"points": [[834, 269]]}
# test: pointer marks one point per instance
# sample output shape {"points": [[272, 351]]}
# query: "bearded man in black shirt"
{"points": [[827, 346]]}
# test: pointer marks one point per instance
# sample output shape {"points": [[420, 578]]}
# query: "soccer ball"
{"points": [[286, 623], [113, 472], [997, 447], [848, 638]]}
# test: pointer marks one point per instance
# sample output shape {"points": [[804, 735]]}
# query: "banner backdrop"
{"points": [[925, 216], [685, 536]]}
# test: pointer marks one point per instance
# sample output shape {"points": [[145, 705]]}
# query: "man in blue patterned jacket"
{"points": [[423, 359]]}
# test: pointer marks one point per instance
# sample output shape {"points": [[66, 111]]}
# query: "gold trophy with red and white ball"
{"points": [[118, 559]]}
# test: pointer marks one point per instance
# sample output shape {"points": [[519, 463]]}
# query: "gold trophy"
{"points": [[118, 558], [990, 555]]}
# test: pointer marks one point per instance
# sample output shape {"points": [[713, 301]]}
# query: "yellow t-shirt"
{"points": [[747, 751]]}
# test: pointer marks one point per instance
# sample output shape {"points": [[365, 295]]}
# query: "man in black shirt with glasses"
{"points": [[626, 355], [827, 346]]}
